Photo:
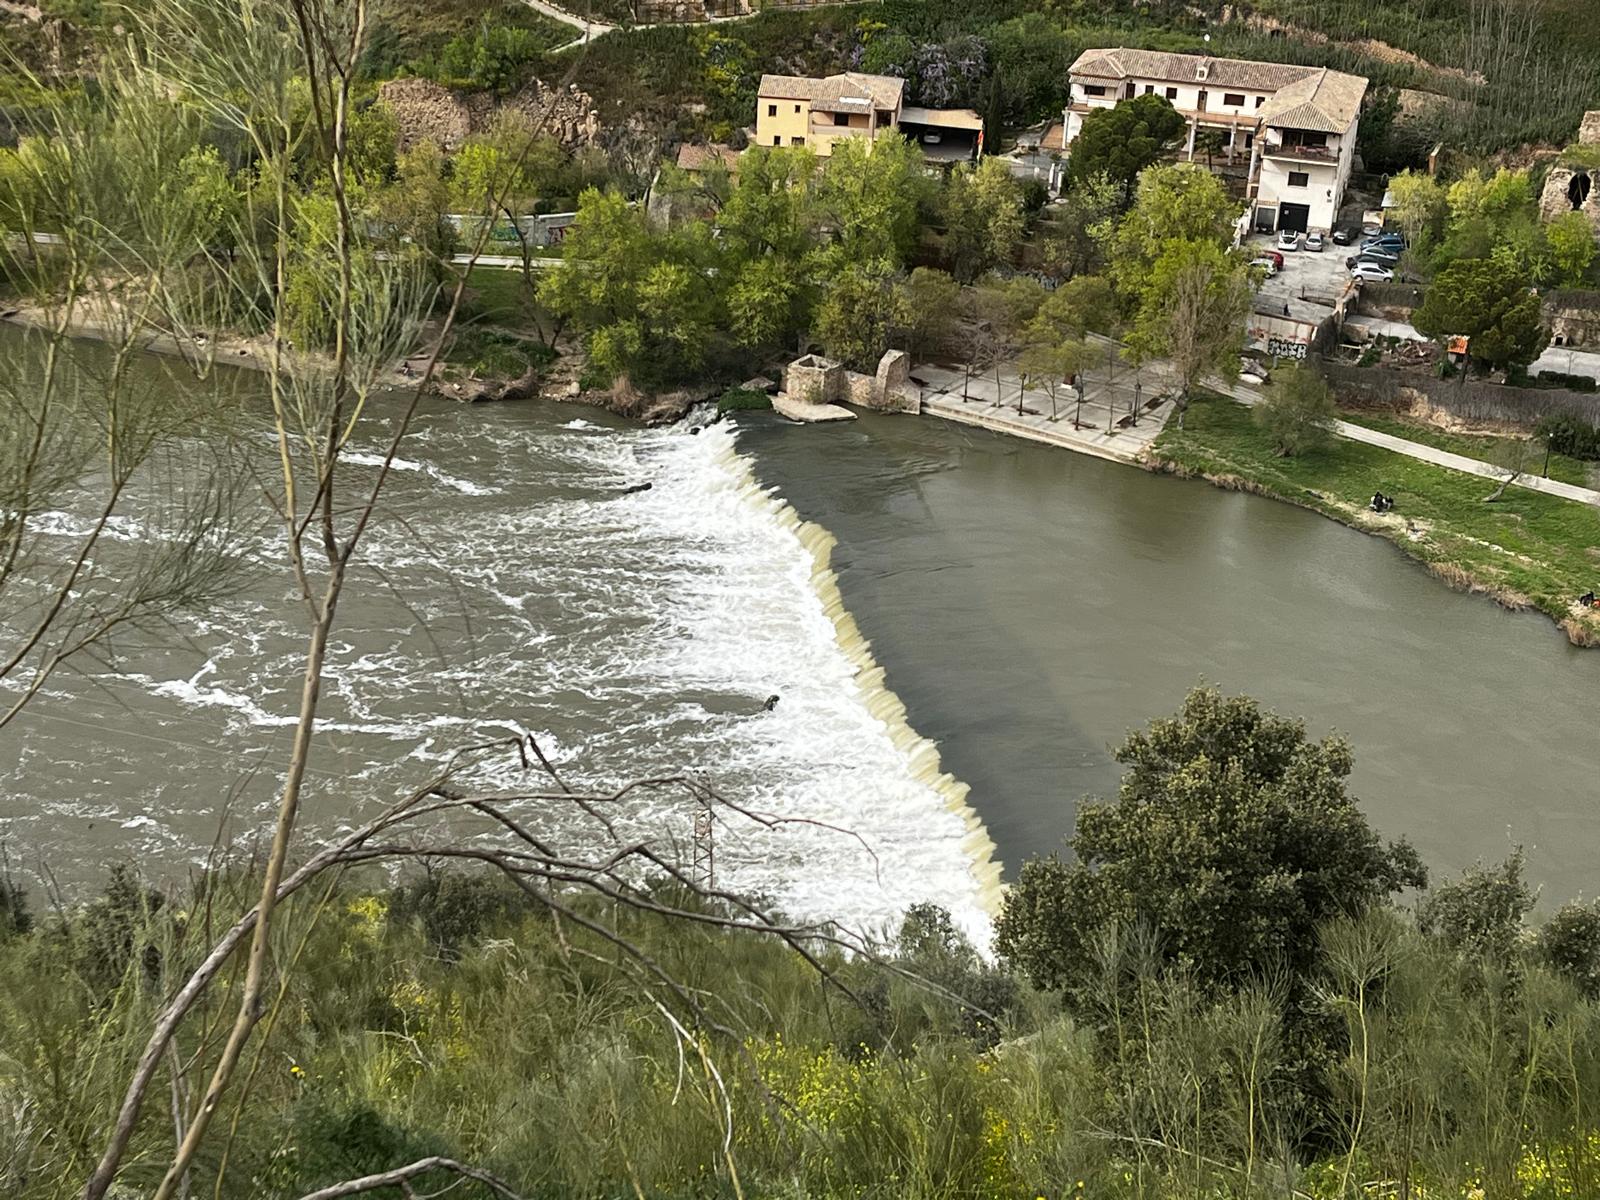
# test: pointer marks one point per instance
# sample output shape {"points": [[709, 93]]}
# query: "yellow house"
{"points": [[793, 110]]}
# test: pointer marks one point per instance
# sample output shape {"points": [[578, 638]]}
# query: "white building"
{"points": [[1296, 124]]}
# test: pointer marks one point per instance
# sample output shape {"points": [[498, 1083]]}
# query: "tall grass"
{"points": [[459, 1021]]}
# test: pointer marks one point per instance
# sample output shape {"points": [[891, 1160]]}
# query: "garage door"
{"points": [[1294, 217]]}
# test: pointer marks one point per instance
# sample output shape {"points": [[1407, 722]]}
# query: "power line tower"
{"points": [[705, 850]]}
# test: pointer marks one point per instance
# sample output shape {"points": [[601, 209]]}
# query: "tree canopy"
{"points": [[1121, 142], [1232, 838], [1490, 303], [983, 217]]}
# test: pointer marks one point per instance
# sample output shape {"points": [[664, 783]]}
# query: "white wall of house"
{"points": [[1324, 183], [1286, 181], [1185, 97]]}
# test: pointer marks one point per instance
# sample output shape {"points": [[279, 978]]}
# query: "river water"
{"points": [[937, 609]]}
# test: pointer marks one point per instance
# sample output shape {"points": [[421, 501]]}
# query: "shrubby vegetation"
{"points": [[1225, 994]]}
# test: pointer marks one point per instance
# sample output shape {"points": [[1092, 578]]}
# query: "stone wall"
{"points": [[427, 111], [1572, 188], [1573, 317], [815, 380], [858, 389], [892, 388]]}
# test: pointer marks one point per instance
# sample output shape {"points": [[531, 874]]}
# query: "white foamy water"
{"points": [[518, 588]]}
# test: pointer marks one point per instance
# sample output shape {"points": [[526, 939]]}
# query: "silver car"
{"points": [[1315, 242]]}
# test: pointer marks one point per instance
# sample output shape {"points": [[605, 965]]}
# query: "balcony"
{"points": [[1300, 151]]}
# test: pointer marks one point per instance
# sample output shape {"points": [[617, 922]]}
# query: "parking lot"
{"points": [[1309, 283]]}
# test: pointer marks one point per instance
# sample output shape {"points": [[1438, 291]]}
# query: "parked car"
{"points": [[1314, 243], [1381, 257], [1288, 239], [1370, 271], [1343, 237], [1269, 267], [1392, 241]]}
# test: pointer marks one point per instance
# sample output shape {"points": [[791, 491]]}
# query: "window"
{"points": [[1310, 138], [1172, 93], [772, 110], [1249, 140], [1148, 88], [1260, 100], [1299, 179], [1093, 89], [1236, 99], [797, 141], [797, 108], [776, 140]]}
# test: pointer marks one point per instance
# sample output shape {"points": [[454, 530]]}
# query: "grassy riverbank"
{"points": [[1527, 550]]}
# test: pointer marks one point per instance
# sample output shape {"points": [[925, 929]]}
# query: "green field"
{"points": [[1526, 550], [1473, 445]]}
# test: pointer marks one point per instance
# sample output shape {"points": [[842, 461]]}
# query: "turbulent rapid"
{"points": [[517, 585]]}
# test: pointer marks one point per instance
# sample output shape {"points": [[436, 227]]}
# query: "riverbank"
{"points": [[453, 380], [1526, 550]]}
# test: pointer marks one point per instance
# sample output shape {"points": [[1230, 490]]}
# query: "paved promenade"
{"points": [[1103, 426]]}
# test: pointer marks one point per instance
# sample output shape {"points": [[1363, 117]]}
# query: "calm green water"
{"points": [[1032, 605]]}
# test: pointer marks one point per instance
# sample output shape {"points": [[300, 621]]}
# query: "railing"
{"points": [[686, 12], [1296, 150]]}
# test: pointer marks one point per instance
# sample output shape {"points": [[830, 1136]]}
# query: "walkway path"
{"points": [[1443, 458], [588, 29]]}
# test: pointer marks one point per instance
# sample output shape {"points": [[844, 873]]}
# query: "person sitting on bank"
{"points": [[1381, 503], [1588, 600]]}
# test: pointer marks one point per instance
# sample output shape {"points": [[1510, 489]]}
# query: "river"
{"points": [[1027, 607]]}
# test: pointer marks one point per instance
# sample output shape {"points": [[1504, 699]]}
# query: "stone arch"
{"points": [[1578, 189]]}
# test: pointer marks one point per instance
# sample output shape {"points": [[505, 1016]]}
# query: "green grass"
{"points": [[498, 297], [1482, 446], [494, 353], [1527, 549]]}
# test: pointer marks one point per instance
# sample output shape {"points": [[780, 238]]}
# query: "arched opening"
{"points": [[1578, 190]]}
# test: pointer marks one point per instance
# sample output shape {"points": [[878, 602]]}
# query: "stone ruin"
{"points": [[428, 111], [1571, 188], [814, 379]]}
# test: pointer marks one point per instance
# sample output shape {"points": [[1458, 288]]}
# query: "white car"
{"points": [[1371, 271], [1288, 239], [1315, 242], [1266, 264]]}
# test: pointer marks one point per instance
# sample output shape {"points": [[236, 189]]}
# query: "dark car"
{"points": [[1375, 255], [1343, 237], [1390, 240]]}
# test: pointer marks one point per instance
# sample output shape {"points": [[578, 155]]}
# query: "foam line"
{"points": [[923, 761]]}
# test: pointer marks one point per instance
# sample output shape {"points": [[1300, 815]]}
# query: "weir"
{"points": [[922, 755]]}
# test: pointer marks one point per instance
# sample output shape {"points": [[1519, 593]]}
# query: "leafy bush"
{"points": [[496, 353], [1571, 436], [454, 908], [1576, 383], [492, 58], [743, 400], [1298, 412]]}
